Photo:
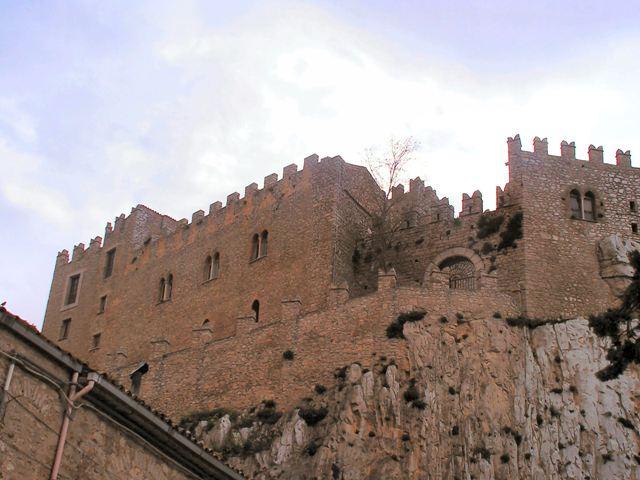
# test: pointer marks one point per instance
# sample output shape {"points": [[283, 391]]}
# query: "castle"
{"points": [[265, 296]]}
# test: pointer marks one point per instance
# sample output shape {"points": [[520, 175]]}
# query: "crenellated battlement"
{"points": [[308, 235], [595, 155], [471, 204], [218, 213]]}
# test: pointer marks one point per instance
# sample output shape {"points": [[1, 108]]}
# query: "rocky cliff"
{"points": [[476, 399]]}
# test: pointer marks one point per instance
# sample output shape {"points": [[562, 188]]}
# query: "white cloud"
{"points": [[21, 184], [194, 109]]}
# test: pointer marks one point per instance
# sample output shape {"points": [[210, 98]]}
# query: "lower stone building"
{"points": [[61, 420]]}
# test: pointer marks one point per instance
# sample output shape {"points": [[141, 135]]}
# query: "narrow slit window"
{"points": [[103, 304], [264, 243], [215, 265], [161, 289], [95, 341], [72, 292], [255, 246], [634, 227], [208, 265], [64, 328], [110, 260], [255, 306], [168, 288], [632, 206]]}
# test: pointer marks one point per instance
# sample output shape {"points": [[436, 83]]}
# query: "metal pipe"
{"points": [[73, 396], [5, 390]]}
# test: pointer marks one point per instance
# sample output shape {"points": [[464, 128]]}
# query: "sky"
{"points": [[105, 105]]}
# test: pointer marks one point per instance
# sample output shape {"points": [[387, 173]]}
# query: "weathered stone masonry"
{"points": [[318, 293]]}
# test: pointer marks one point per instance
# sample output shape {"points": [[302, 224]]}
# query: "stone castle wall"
{"points": [[561, 262], [318, 286], [244, 369], [298, 212]]}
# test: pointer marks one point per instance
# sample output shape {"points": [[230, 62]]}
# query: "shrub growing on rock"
{"points": [[621, 328], [512, 233], [394, 330], [312, 416], [483, 452], [626, 423], [489, 224], [268, 413], [411, 394], [311, 448]]}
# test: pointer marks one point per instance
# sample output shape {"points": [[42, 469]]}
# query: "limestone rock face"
{"points": [[615, 268], [468, 400]]}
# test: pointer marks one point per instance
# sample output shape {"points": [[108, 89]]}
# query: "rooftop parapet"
{"points": [[568, 150], [397, 191], [623, 159], [471, 204], [214, 207], [289, 171], [197, 216], [78, 251], [311, 160], [270, 180], [119, 222], [416, 185], [596, 154], [233, 198], [540, 146], [95, 242], [250, 189], [63, 257], [514, 145]]}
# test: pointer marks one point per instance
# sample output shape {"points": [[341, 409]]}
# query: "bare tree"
{"points": [[387, 168]]}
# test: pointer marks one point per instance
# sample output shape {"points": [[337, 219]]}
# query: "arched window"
{"points": [[576, 204], [264, 241], [588, 206], [255, 246], [163, 284], [208, 265], [255, 306], [215, 265], [462, 273]]}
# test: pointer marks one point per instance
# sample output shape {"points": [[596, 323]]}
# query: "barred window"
{"points": [[462, 273]]}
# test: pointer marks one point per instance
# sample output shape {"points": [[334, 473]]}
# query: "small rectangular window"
{"points": [[103, 304], [72, 291], [95, 342], [64, 328], [108, 266], [634, 227], [632, 206]]}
